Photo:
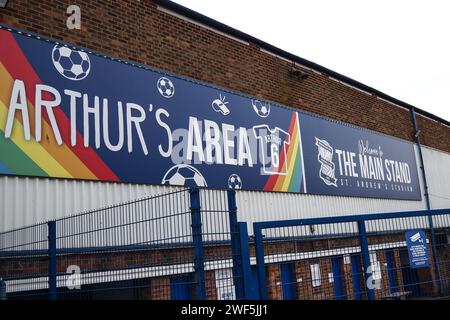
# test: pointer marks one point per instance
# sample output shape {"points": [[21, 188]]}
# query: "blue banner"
{"points": [[69, 113], [344, 160]]}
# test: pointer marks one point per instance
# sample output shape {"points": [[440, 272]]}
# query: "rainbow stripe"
{"points": [[45, 158], [293, 180]]}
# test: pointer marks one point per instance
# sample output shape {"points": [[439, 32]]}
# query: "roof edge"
{"points": [[194, 15]]}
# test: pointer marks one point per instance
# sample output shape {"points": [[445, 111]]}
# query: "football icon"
{"points": [[165, 87], [234, 182], [71, 64], [262, 109], [184, 175]]}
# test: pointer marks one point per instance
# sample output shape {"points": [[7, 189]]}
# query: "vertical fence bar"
{"points": [[235, 244], [245, 260], [259, 247], [52, 260], [437, 267], [2, 289], [197, 238], [366, 257]]}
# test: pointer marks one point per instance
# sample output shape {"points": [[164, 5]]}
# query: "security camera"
{"points": [[3, 3], [295, 72]]}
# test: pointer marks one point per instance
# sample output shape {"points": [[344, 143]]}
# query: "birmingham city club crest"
{"points": [[325, 158]]}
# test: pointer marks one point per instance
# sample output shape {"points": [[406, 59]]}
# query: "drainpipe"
{"points": [[422, 166], [427, 199]]}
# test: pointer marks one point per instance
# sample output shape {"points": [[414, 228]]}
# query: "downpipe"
{"points": [[427, 200]]}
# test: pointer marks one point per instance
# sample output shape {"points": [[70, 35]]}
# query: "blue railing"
{"points": [[360, 238], [139, 249], [189, 244]]}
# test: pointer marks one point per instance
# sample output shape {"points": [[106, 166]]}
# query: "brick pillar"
{"points": [[274, 282], [348, 279], [211, 290], [304, 287], [160, 288], [327, 287]]}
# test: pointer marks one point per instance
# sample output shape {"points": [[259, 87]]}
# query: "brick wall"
{"points": [[348, 279], [274, 289], [159, 287], [398, 271], [137, 31]]}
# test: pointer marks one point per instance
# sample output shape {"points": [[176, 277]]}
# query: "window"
{"points": [[316, 278], [375, 264]]}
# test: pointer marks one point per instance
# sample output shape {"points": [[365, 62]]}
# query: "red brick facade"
{"points": [[138, 31]]}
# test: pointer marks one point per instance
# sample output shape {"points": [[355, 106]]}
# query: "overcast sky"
{"points": [[400, 47]]}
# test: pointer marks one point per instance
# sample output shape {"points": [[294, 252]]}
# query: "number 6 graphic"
{"points": [[275, 155]]}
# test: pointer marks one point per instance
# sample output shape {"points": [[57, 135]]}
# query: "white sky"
{"points": [[399, 47]]}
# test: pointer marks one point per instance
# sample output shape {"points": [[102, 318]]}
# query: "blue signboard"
{"points": [[417, 249], [344, 160], [69, 113]]}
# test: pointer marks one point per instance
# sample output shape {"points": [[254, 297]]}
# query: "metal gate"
{"points": [[178, 245], [188, 244], [352, 257]]}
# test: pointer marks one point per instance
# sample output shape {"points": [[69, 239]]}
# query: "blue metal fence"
{"points": [[24, 260], [352, 257], [189, 244], [176, 245]]}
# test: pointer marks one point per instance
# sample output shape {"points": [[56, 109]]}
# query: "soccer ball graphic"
{"points": [[261, 109], [72, 64], [234, 181], [165, 87], [184, 175]]}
